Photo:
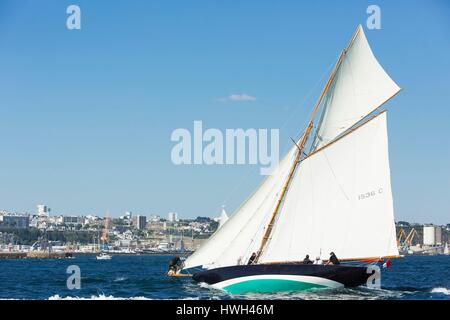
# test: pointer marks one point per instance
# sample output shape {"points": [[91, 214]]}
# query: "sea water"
{"points": [[143, 277]]}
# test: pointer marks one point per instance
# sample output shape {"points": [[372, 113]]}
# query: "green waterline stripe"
{"points": [[270, 285]]}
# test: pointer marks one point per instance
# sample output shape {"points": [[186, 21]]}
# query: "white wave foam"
{"points": [[120, 279], [105, 297], [441, 290], [205, 285], [99, 297]]}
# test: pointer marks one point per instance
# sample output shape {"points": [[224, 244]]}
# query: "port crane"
{"points": [[404, 241], [401, 235], [409, 239]]}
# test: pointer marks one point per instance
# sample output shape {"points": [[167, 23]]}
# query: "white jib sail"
{"points": [[360, 86], [235, 241], [339, 200]]}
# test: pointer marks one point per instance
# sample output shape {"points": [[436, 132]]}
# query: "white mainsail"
{"points": [[360, 85], [235, 241], [339, 200]]}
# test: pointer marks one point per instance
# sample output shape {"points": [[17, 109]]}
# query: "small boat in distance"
{"points": [[103, 256], [330, 193]]}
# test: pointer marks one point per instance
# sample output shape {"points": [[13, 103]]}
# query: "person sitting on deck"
{"points": [[252, 258], [333, 259], [306, 260]]}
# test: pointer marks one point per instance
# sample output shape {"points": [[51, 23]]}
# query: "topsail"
{"points": [[360, 86]]}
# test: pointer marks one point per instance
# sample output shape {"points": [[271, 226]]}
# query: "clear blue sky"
{"points": [[86, 116]]}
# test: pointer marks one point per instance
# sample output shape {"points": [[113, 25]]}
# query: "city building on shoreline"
{"points": [[15, 220], [173, 216], [139, 232]]}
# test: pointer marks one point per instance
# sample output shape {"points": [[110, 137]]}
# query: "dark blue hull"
{"points": [[283, 277]]}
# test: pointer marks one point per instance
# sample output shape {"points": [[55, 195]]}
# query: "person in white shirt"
{"points": [[318, 261]]}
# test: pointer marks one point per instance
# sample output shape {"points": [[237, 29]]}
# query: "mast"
{"points": [[301, 147]]}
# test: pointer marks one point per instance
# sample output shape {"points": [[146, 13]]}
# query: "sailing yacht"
{"points": [[223, 217], [330, 193]]}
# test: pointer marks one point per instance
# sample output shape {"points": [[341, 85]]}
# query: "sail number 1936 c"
{"points": [[370, 194]]}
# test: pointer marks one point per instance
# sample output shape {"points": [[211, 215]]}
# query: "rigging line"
{"points": [[339, 65], [237, 186], [308, 96], [393, 230], [244, 226], [263, 201], [298, 147], [253, 238], [294, 223], [304, 100], [263, 221], [268, 231], [255, 190], [257, 209], [334, 175], [353, 81], [353, 128], [317, 137], [303, 142], [315, 215], [275, 222], [369, 116]]}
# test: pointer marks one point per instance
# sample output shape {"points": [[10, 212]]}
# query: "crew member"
{"points": [[333, 259], [174, 266], [252, 258], [306, 260]]}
